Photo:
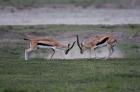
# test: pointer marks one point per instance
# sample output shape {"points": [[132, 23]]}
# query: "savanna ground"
{"points": [[61, 75]]}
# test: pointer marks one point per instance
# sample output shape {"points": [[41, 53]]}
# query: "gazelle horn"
{"points": [[78, 43], [69, 48]]}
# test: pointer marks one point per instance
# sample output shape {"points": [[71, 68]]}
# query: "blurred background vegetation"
{"points": [[97, 3]]}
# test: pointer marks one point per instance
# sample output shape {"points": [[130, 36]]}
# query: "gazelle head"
{"points": [[80, 45], [69, 48]]}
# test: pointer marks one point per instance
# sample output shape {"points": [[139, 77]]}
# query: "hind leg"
{"points": [[26, 53], [111, 50]]}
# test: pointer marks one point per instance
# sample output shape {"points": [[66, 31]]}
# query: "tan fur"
{"points": [[92, 43], [54, 43], [49, 41]]}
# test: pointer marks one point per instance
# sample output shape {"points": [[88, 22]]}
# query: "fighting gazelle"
{"points": [[47, 42], [99, 41]]}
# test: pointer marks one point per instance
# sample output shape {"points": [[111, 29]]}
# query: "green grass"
{"points": [[38, 2], [131, 50], [131, 28], [81, 75], [88, 75]]}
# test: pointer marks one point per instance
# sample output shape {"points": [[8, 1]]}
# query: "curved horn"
{"points": [[78, 43], [69, 48]]}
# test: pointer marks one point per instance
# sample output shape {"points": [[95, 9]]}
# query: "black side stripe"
{"points": [[44, 44], [103, 41]]}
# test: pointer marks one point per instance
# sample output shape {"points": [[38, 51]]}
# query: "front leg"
{"points": [[95, 53], [90, 53], [94, 48], [52, 53]]}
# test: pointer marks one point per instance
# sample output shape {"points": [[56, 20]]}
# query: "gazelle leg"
{"points": [[111, 50], [95, 53], [90, 53], [53, 53], [26, 53]]}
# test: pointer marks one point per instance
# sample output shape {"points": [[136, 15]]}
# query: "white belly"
{"points": [[48, 47], [102, 45]]}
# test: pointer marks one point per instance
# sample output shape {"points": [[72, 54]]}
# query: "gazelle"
{"points": [[47, 42], [99, 41]]}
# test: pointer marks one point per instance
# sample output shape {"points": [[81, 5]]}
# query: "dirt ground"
{"points": [[68, 15]]}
